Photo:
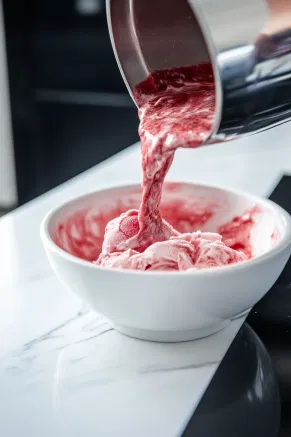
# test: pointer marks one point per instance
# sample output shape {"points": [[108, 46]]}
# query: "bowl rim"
{"points": [[284, 242]]}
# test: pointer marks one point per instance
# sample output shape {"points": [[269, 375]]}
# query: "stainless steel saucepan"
{"points": [[248, 43]]}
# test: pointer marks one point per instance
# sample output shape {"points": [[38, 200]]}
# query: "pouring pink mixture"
{"points": [[176, 110]]}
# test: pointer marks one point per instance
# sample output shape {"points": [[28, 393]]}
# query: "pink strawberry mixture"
{"points": [[176, 110]]}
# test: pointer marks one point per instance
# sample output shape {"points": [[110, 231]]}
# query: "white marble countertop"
{"points": [[63, 371]]}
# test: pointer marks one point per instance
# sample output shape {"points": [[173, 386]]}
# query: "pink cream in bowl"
{"points": [[225, 229]]}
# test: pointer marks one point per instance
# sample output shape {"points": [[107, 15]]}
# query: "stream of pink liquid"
{"points": [[176, 109]]}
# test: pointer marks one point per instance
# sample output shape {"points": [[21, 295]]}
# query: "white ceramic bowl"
{"points": [[166, 306]]}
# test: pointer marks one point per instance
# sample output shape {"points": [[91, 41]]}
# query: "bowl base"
{"points": [[170, 336]]}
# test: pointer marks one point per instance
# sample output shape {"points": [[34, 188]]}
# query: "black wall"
{"points": [[70, 107]]}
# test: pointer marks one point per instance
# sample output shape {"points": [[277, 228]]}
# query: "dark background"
{"points": [[70, 107]]}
